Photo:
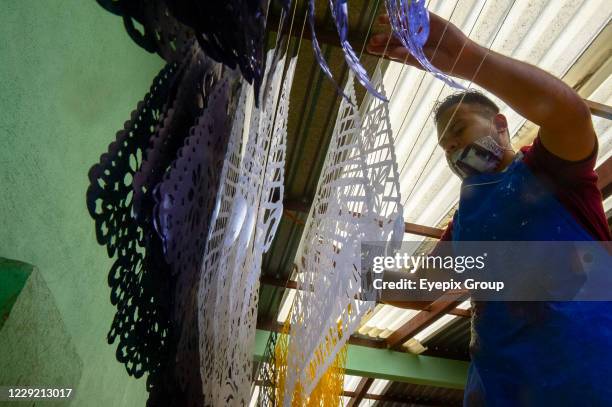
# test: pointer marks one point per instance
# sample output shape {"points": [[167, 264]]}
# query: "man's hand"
{"points": [[566, 129], [447, 47]]}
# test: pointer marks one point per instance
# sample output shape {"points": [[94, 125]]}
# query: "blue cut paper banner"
{"points": [[409, 20], [339, 9]]}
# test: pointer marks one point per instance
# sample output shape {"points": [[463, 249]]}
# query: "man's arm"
{"points": [[565, 123]]}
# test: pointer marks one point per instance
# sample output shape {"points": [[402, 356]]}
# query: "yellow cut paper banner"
{"points": [[328, 390]]}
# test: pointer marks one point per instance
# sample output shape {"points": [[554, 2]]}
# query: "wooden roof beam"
{"points": [[415, 305], [423, 319], [360, 391]]}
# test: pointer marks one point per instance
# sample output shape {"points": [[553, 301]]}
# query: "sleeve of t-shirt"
{"points": [[574, 184], [561, 171], [442, 249], [446, 236]]}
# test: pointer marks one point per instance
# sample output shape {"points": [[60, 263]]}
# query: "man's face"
{"points": [[460, 125]]}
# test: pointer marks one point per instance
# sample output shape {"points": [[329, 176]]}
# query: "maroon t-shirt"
{"points": [[574, 184]]}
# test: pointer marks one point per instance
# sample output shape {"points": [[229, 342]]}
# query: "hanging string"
{"points": [[462, 96], [297, 53], [441, 90], [299, 44], [365, 41], [268, 85], [408, 55], [328, 387], [302, 33], [285, 68], [404, 63], [423, 79], [381, 58]]}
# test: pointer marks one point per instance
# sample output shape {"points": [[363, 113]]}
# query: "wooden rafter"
{"points": [[413, 228], [275, 326], [404, 399], [360, 391], [425, 318], [599, 109], [414, 305], [423, 230]]}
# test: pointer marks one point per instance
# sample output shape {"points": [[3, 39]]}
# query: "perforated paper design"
{"points": [[357, 200], [185, 202], [197, 76], [152, 196], [247, 213]]}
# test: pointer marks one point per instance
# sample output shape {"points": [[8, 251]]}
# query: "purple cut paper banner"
{"points": [[340, 14], [339, 10]]}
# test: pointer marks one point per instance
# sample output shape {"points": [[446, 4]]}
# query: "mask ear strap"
{"points": [[505, 145]]}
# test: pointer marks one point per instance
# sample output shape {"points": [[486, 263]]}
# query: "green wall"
{"points": [[69, 77]]}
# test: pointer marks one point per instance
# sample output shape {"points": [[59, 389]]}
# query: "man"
{"points": [[545, 353]]}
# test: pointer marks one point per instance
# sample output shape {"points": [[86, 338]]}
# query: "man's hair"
{"points": [[471, 97]]}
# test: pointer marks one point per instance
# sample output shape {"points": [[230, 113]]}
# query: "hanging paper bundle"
{"points": [[161, 175], [339, 9], [230, 32], [357, 200], [160, 194], [185, 201], [410, 23], [246, 215]]}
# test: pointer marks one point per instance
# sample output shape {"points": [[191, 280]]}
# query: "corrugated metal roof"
{"points": [[603, 127], [452, 342], [549, 34]]}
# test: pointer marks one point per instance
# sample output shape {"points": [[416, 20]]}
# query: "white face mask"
{"points": [[481, 156]]}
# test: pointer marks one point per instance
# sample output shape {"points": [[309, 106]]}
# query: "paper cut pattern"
{"points": [[357, 200], [248, 210], [158, 198]]}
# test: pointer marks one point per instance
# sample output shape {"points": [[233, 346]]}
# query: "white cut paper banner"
{"points": [[357, 200], [243, 226]]}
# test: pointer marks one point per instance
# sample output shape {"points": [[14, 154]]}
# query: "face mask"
{"points": [[481, 156]]}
